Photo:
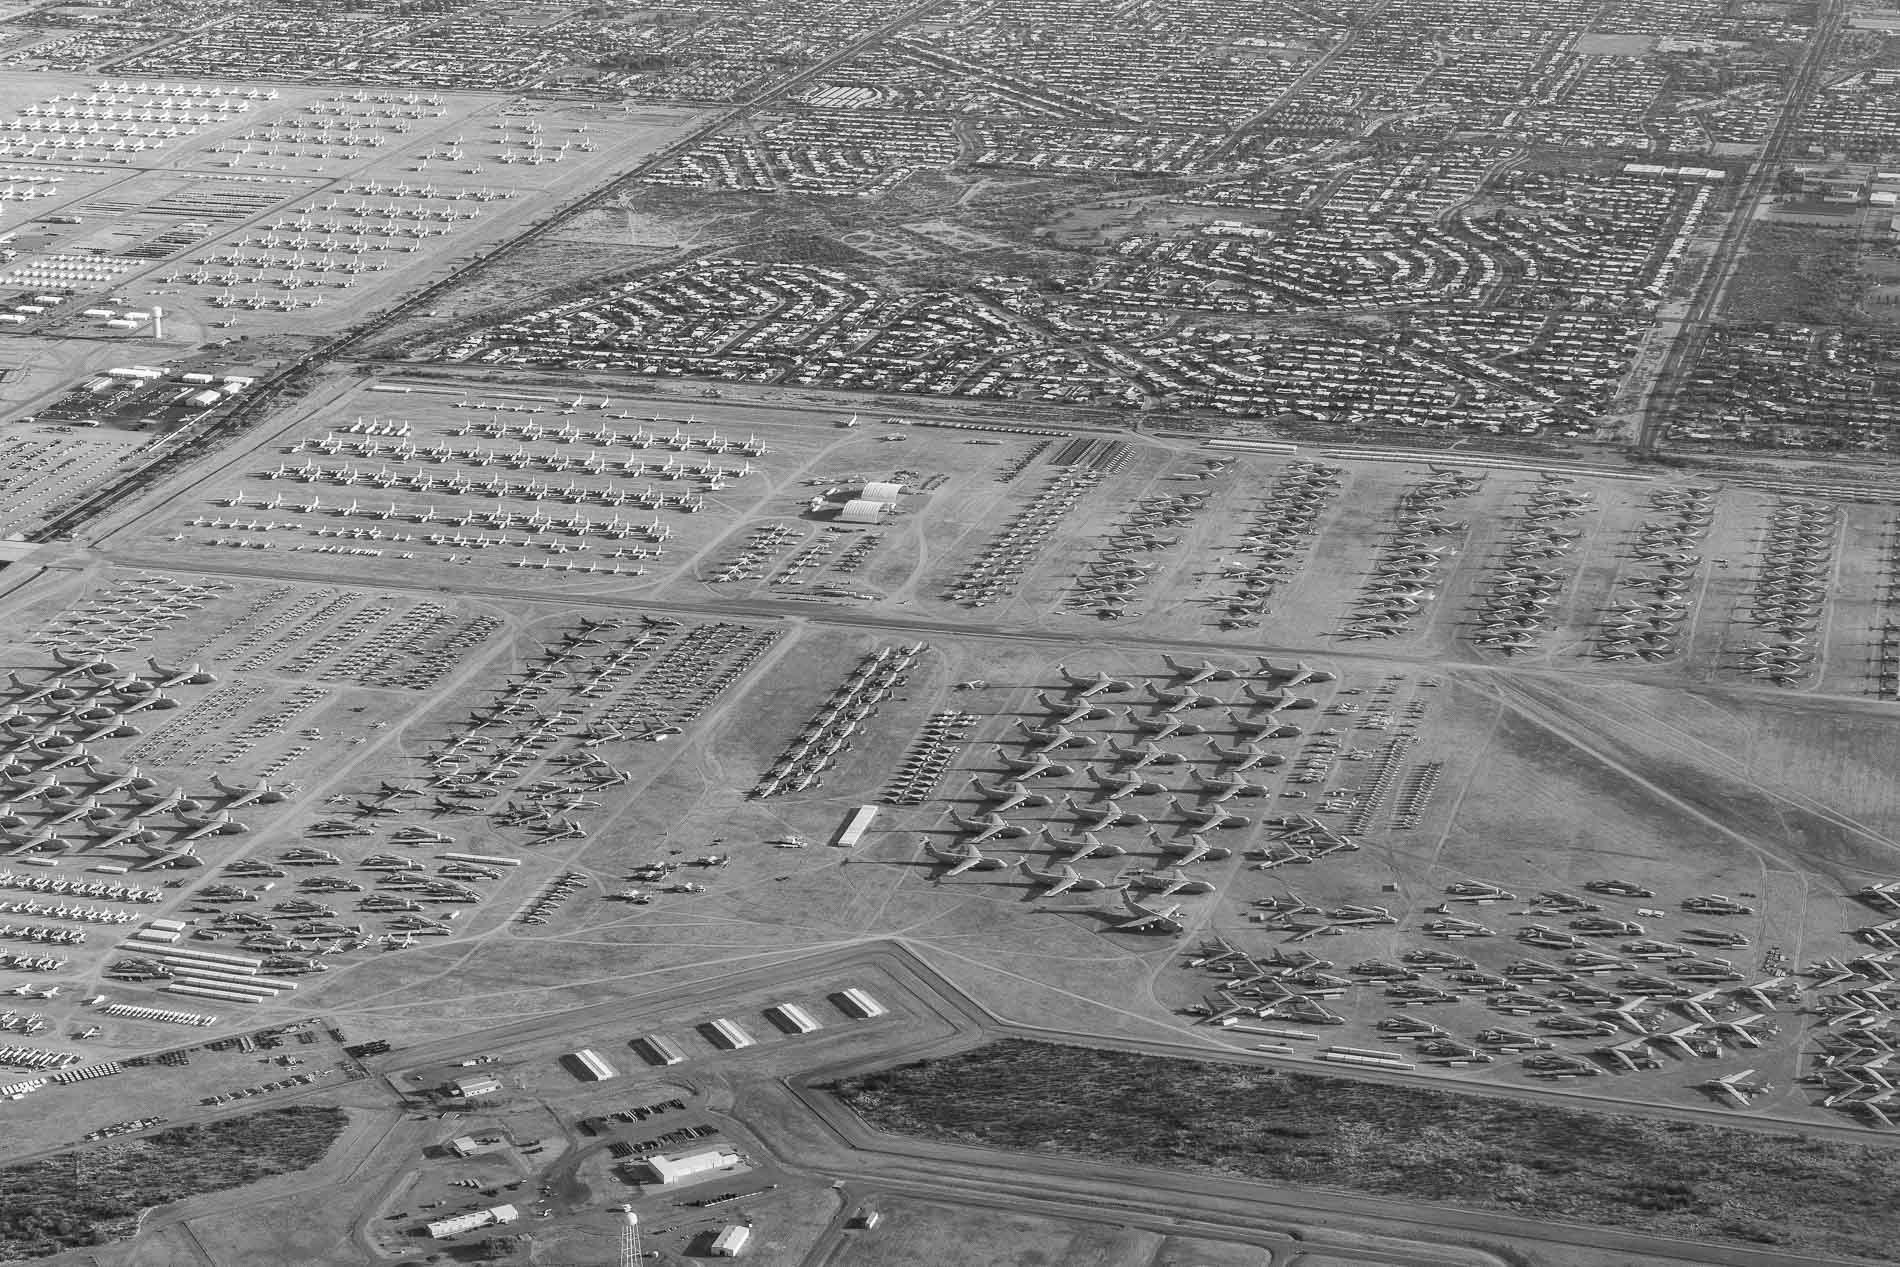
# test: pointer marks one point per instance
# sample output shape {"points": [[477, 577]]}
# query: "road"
{"points": [[1659, 401]]}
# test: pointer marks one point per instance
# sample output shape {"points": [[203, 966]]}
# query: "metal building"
{"points": [[727, 1034], [857, 1003]]}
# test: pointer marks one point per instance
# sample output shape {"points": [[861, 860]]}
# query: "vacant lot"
{"points": [[1667, 1178]]}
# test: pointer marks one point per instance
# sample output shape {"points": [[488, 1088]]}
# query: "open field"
{"points": [[1689, 1182]]}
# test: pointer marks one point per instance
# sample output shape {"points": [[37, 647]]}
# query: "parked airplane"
{"points": [[1246, 756], [1032, 767], [1087, 845], [986, 826], [1208, 816], [1227, 785], [1170, 882], [1061, 878], [1736, 1089], [1116, 786], [1195, 674], [1193, 849], [1108, 814], [1147, 919], [1086, 686], [961, 857], [1008, 794], [1161, 727], [1174, 700], [241, 796], [1135, 756]]}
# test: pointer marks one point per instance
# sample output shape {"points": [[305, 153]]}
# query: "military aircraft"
{"points": [[1173, 700], [1116, 786], [161, 856], [218, 824], [1170, 882], [1735, 1090], [962, 856], [1068, 712], [986, 826], [1247, 756], [1195, 674], [1147, 919], [194, 675], [1061, 879], [1050, 738], [1208, 816], [1163, 726], [1191, 849], [1227, 785], [240, 796], [1008, 794], [1032, 767], [1087, 845], [1085, 686], [1108, 814], [1294, 674], [131, 779], [1146, 753]]}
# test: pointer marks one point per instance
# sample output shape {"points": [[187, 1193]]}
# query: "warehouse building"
{"points": [[724, 1033], [587, 1065], [791, 1018], [860, 510], [731, 1241], [471, 1088], [455, 1226], [858, 1004], [855, 826], [658, 1049], [671, 1170]]}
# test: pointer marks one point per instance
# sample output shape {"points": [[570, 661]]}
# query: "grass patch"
{"points": [[1669, 1178], [94, 1195]]}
